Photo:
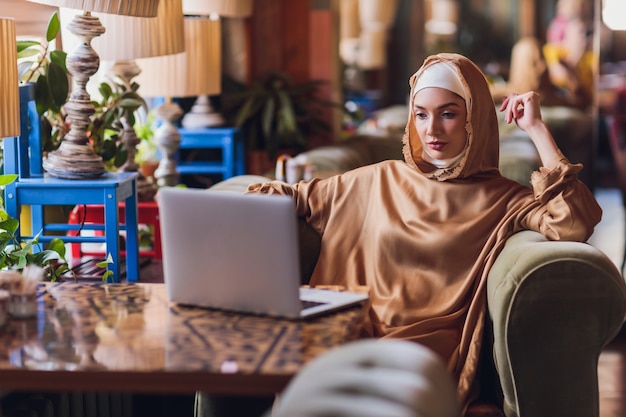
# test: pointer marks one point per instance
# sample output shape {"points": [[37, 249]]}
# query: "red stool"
{"points": [[147, 213]]}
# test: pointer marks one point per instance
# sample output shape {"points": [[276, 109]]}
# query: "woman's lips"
{"points": [[436, 145]]}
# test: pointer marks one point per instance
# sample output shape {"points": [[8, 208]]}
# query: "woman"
{"points": [[423, 234]]}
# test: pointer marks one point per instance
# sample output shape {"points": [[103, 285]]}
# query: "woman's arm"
{"points": [[525, 110]]}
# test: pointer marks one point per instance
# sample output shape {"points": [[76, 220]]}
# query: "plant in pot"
{"points": [[116, 108], [16, 254], [277, 114]]}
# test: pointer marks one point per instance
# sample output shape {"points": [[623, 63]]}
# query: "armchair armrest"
{"points": [[554, 306]]}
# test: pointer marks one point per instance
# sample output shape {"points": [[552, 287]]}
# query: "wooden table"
{"points": [[129, 337]]}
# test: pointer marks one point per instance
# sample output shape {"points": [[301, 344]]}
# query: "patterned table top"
{"points": [[129, 337]]}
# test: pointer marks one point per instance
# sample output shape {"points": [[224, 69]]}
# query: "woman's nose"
{"points": [[433, 127]]}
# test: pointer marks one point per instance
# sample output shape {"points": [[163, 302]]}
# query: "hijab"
{"points": [[481, 154]]}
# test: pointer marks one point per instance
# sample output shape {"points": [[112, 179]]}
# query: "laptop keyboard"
{"points": [[308, 304]]}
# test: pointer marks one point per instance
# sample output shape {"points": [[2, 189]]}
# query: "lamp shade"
{"points": [[139, 8], [376, 17], [9, 97], [129, 37], [226, 8], [614, 14], [197, 71]]}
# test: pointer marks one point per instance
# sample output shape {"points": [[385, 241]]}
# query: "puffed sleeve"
{"points": [[564, 209]]}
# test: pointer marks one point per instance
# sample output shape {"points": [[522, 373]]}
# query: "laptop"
{"points": [[238, 252]]}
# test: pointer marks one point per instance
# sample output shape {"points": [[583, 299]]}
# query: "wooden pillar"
{"points": [[324, 61]]}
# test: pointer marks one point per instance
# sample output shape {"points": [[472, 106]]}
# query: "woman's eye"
{"points": [[449, 115], [420, 115]]}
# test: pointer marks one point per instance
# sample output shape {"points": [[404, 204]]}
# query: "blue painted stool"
{"points": [[227, 139]]}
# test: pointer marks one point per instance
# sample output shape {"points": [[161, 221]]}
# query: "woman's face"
{"points": [[439, 116]]}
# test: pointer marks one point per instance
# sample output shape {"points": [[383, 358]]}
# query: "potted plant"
{"points": [[117, 106], [276, 113], [16, 254]]}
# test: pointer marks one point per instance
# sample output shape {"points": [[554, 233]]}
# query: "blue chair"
{"points": [[23, 156]]}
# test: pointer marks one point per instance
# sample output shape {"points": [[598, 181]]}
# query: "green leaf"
{"points": [[43, 97], [244, 113], [10, 225], [24, 44], [105, 90], [58, 84], [5, 239], [130, 103], [6, 179], [105, 263], [53, 27], [26, 53], [120, 156], [57, 246], [60, 270], [106, 275], [287, 113], [46, 256], [267, 118], [22, 262], [59, 57]]}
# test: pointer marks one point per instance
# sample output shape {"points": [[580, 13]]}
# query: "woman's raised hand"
{"points": [[524, 109]]}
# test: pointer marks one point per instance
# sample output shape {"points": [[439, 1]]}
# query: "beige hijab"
{"points": [[480, 159]]}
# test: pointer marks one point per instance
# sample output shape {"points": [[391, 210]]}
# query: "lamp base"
{"points": [[74, 162], [75, 158], [167, 139], [202, 115]]}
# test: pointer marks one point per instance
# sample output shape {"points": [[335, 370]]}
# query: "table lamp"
{"points": [[203, 54], [9, 99], [613, 14], [202, 114], [75, 158], [127, 39], [188, 74]]}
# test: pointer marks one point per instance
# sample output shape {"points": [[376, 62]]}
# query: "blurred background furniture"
{"points": [[226, 141], [148, 216]]}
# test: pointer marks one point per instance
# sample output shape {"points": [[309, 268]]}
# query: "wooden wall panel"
{"points": [[279, 38], [325, 65], [266, 34], [296, 38]]}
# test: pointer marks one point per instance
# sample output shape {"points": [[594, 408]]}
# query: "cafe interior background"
{"points": [[365, 57], [366, 60]]}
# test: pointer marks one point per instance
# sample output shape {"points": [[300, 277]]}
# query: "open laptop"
{"points": [[238, 252]]}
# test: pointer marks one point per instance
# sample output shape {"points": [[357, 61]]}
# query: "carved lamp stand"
{"points": [[167, 139], [75, 158]]}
